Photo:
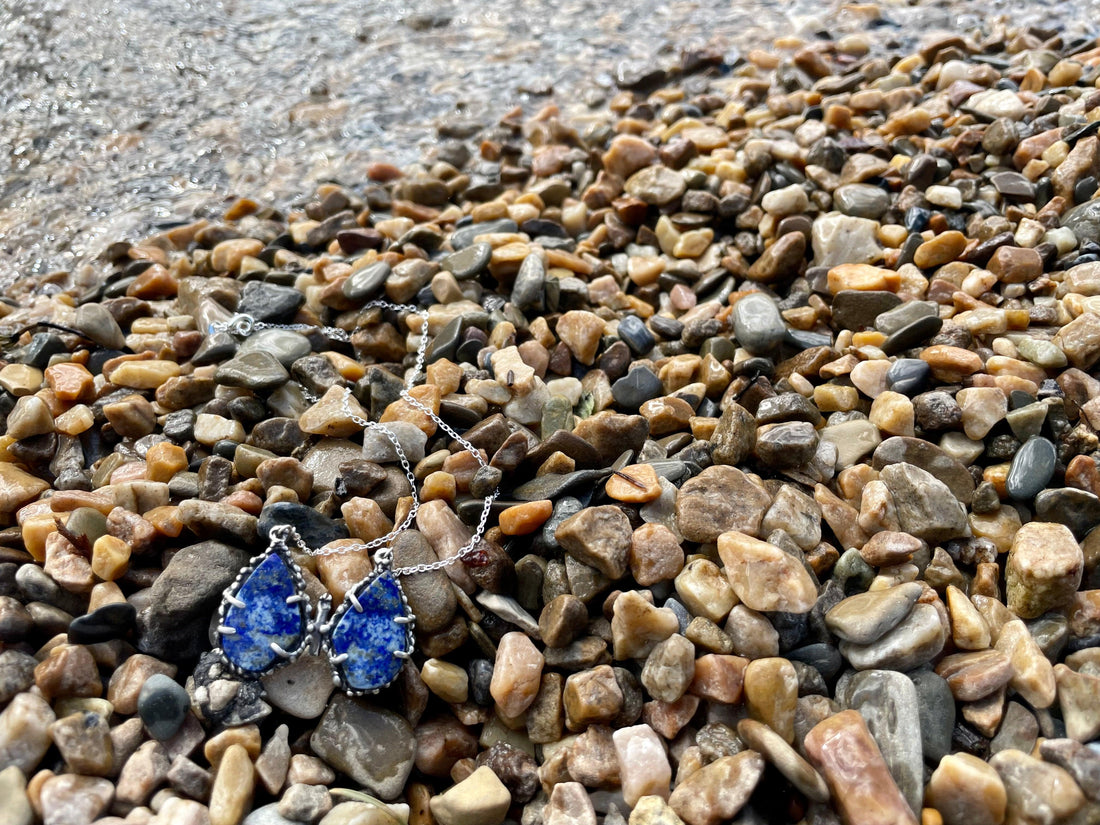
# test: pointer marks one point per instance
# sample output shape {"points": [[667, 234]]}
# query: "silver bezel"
{"points": [[229, 596], [350, 602]]}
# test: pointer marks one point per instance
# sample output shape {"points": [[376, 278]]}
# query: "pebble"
{"points": [[479, 799], [643, 764], [373, 746], [866, 617], [757, 324], [163, 705], [69, 799], [965, 790], [718, 500], [763, 576], [1036, 789], [917, 639], [842, 748], [516, 674], [717, 791], [569, 804], [1043, 569], [1031, 470]]}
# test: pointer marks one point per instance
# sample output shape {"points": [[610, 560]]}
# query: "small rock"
{"points": [[967, 791], [479, 799], [1043, 569], [716, 792], [516, 674], [163, 705], [843, 750], [373, 746], [763, 576]]}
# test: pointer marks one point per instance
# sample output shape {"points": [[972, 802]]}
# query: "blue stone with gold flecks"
{"points": [[265, 617], [373, 638]]}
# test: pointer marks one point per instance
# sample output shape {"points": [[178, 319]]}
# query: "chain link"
{"points": [[244, 325]]}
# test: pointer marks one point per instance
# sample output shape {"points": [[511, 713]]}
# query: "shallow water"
{"points": [[119, 116]]}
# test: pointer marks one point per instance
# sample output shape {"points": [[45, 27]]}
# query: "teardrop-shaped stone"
{"points": [[265, 618], [371, 637]]}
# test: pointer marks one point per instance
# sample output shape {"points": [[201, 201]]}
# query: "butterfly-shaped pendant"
{"points": [[264, 623]]}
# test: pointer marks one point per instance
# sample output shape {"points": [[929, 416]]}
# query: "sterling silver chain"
{"points": [[244, 325]]}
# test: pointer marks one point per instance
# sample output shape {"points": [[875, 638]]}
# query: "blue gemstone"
{"points": [[265, 618], [371, 638]]}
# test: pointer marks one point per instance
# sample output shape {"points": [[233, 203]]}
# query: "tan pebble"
{"points": [[869, 377], [1043, 570], [75, 420], [581, 331], [862, 277], [163, 460], [1032, 675], [400, 410], [637, 626], [446, 680], [716, 792], [245, 737], [591, 697], [763, 576], [328, 417], [967, 791], [951, 364], [635, 484], [1079, 700], [893, 414], [969, 629], [231, 795], [71, 381], [143, 375], [705, 590], [524, 519], [20, 379], [655, 554], [227, 255], [719, 678], [110, 557], [943, 248]]}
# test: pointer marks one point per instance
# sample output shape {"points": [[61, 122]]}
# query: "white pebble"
{"points": [[946, 196]]}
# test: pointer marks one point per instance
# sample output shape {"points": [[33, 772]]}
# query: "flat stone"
{"points": [[303, 687], [866, 617], [373, 746], [720, 499], [917, 639], [366, 282]]}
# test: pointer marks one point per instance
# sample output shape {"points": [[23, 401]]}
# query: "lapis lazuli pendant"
{"points": [[370, 635], [264, 616]]}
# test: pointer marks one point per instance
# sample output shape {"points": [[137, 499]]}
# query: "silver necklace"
{"points": [[264, 621]]}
